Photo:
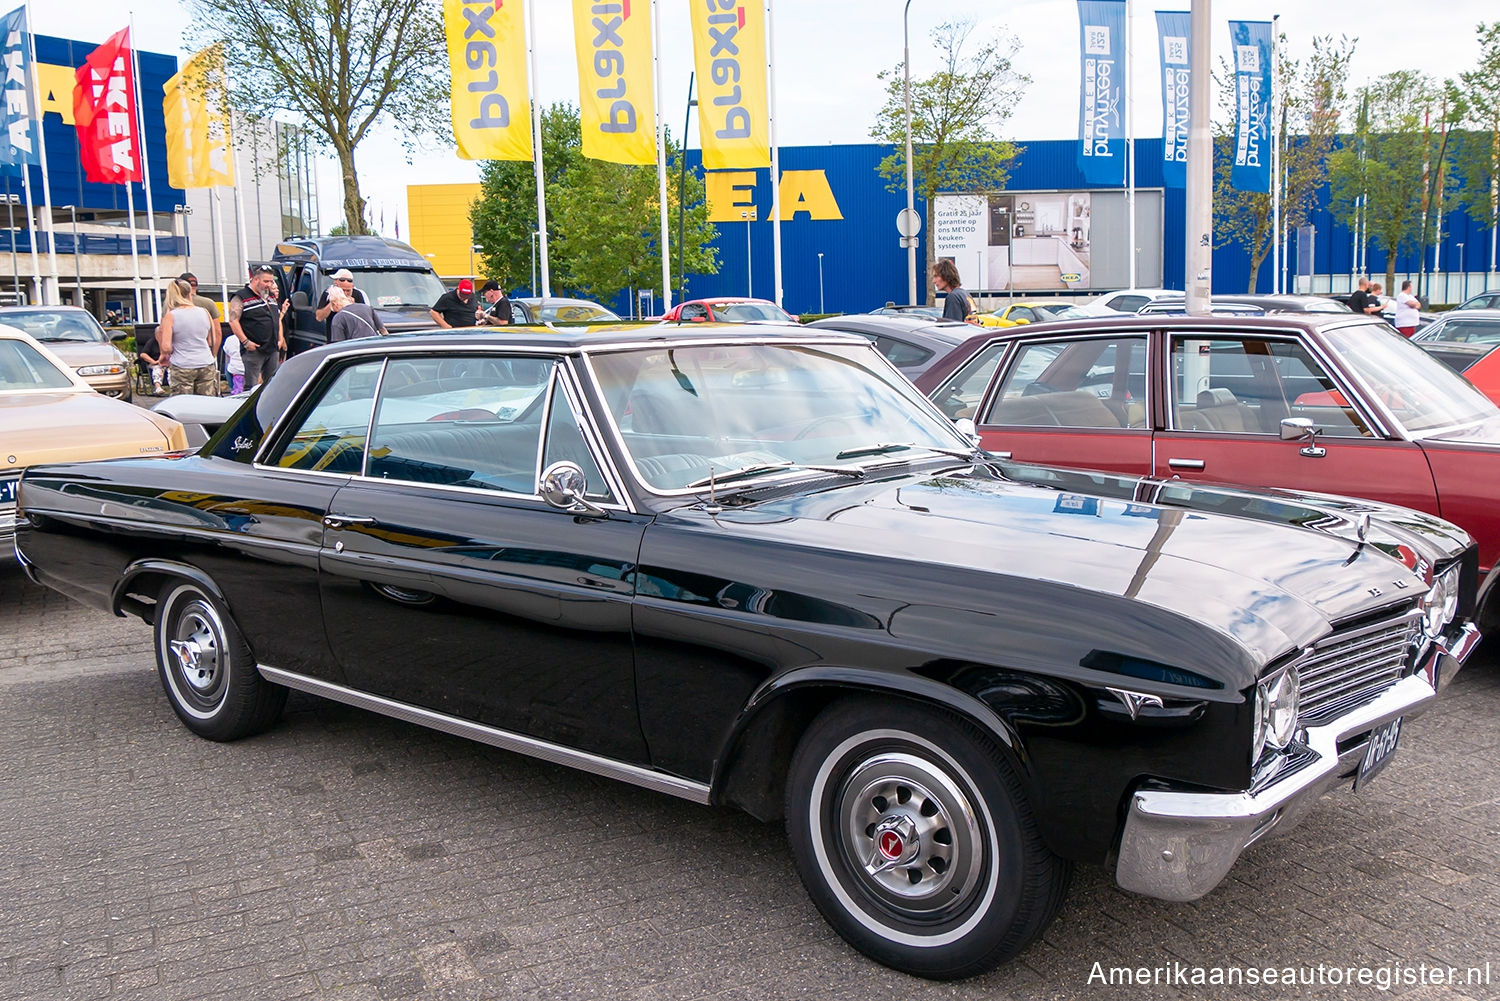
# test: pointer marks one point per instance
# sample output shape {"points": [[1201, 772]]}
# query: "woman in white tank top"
{"points": [[189, 340]]}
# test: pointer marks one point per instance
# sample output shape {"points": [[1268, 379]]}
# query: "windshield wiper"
{"points": [[756, 469], [885, 448]]}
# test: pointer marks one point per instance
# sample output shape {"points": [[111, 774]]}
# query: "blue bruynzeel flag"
{"points": [[1101, 122], [1251, 41], [1172, 35], [18, 120]]}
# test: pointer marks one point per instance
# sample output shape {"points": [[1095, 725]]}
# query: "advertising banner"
{"points": [[1172, 40], [1101, 124], [616, 93], [1017, 240], [18, 115], [491, 98], [104, 113], [1251, 41], [196, 111], [729, 55]]}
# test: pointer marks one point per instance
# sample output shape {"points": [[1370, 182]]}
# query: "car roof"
{"points": [[896, 324], [558, 300]]}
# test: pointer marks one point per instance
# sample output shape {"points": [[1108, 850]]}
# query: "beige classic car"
{"points": [[48, 413], [73, 335]]}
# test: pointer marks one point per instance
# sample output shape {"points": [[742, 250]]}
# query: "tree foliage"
{"points": [[603, 219], [1312, 94], [340, 66], [1478, 156], [956, 114]]}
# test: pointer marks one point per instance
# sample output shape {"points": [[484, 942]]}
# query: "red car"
{"points": [[728, 310], [1341, 405]]}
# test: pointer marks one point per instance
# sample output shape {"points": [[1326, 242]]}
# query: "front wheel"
{"points": [[915, 839], [206, 668]]}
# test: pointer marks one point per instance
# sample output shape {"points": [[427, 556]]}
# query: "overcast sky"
{"points": [[827, 52]]}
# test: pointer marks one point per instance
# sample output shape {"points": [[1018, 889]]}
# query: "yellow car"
{"points": [[48, 413], [1013, 314]]}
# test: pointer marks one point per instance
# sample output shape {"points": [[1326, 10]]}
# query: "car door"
{"points": [[1227, 395], [1077, 401], [449, 584]]}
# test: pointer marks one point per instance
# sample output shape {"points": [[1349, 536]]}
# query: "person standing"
{"points": [[957, 304], [343, 280], [255, 320], [348, 319], [189, 343], [496, 312], [1375, 301], [1360, 297], [234, 365], [1408, 311], [200, 300], [456, 308], [148, 354]]}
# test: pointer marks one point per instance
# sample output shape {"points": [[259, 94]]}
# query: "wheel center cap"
{"points": [[896, 839]]}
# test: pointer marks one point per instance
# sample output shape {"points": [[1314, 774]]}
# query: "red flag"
{"points": [[104, 113]]}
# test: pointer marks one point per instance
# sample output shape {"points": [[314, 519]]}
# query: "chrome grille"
{"points": [[1354, 665]]}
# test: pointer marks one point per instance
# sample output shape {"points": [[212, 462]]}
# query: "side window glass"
{"points": [[1021, 313], [1249, 385], [565, 442], [305, 284], [468, 421], [331, 438], [960, 393], [1093, 383], [694, 311], [901, 354]]}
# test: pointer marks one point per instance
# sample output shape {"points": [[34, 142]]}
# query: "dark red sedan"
{"points": [[728, 309], [1336, 404]]}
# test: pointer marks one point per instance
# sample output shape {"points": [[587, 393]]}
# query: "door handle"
{"points": [[345, 520], [1001, 455], [1196, 464]]}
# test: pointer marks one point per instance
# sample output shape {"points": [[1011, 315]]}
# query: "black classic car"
{"points": [[759, 569]]}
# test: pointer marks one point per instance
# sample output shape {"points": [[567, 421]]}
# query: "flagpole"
{"points": [[216, 233], [661, 162], [1129, 147], [536, 141], [10, 215], [36, 267], [41, 141], [1276, 248], [135, 257], [775, 155], [140, 118]]}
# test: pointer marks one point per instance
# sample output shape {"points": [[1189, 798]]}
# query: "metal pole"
{"points": [[77, 268], [217, 233], [1130, 151], [1463, 275], [1198, 281], [1276, 248], [749, 216], [661, 163], [775, 158], [135, 256], [911, 241], [687, 119], [41, 142], [10, 216], [820, 282], [536, 138], [533, 262], [140, 125]]}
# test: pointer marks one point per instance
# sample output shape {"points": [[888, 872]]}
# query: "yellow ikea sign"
{"points": [[731, 193], [56, 85]]}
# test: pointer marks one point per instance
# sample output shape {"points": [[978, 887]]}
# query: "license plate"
{"points": [[8, 490], [1378, 752]]}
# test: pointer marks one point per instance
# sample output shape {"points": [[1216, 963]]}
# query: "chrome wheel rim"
{"points": [[196, 655]]}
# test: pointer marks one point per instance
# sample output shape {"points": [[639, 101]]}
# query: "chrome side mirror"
{"points": [[966, 428], [1303, 429], [564, 486]]}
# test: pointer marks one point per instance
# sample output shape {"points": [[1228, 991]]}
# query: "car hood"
{"points": [[991, 558], [69, 426], [80, 353]]}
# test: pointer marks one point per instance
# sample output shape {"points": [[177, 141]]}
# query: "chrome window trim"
{"points": [[594, 442], [696, 792], [364, 462], [541, 431]]}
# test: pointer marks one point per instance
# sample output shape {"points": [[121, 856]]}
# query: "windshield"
{"points": [[750, 312], [688, 411], [24, 367], [56, 326], [1420, 391], [573, 312], [1475, 330], [392, 289]]}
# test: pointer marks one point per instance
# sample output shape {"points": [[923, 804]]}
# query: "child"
{"points": [[149, 355], [234, 365]]}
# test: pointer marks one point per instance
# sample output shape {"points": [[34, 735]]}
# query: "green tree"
{"points": [[341, 66], [955, 117], [1478, 156], [1386, 164], [504, 215], [1312, 94]]}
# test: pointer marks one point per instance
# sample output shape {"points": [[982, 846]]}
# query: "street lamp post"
{"points": [[820, 283], [749, 216], [911, 241], [77, 271], [473, 249], [534, 235], [182, 212], [1463, 273]]}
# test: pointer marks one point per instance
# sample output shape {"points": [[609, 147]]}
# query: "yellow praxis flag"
{"points": [[491, 99], [616, 92], [729, 53], [196, 108]]}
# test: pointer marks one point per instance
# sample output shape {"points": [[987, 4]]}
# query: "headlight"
{"points": [[1276, 703], [1440, 604], [101, 370]]}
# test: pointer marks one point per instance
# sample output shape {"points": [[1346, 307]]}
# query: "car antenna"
{"points": [[713, 506]]}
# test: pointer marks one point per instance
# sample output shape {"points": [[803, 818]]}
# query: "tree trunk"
{"points": [[929, 254], [354, 205]]}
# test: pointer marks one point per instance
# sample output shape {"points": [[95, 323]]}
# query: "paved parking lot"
{"points": [[345, 855]]}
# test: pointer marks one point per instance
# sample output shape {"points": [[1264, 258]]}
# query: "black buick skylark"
{"points": [[760, 569]]}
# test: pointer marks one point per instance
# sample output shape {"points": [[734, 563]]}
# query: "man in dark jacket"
{"points": [[456, 308], [255, 319]]}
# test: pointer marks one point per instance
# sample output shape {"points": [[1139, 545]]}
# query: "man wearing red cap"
{"points": [[456, 308]]}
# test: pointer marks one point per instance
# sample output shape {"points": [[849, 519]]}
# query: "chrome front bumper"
{"points": [[1180, 845]]}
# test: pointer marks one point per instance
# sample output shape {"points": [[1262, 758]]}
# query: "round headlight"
{"points": [[1283, 693], [1433, 606], [1450, 588]]}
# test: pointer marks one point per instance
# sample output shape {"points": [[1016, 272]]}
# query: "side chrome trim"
{"points": [[696, 792]]}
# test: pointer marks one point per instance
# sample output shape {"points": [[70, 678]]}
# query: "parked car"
{"points": [[1465, 342], [1338, 404], [760, 570], [555, 309], [891, 309], [73, 335], [728, 310], [1216, 306], [1127, 300], [911, 341], [201, 416], [49, 413], [1488, 299], [1261, 303], [1013, 313]]}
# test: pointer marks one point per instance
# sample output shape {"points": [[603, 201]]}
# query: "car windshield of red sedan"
{"points": [[1421, 392], [740, 411], [750, 312]]}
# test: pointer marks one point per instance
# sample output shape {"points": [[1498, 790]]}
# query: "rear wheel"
{"points": [[914, 838], [206, 668]]}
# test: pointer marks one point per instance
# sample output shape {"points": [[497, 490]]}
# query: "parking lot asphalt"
{"points": [[346, 855]]}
